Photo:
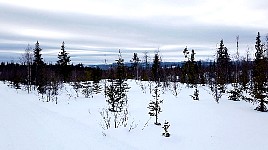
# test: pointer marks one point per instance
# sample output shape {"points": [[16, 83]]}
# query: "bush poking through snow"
{"points": [[87, 89], [195, 96], [106, 119], [165, 127]]}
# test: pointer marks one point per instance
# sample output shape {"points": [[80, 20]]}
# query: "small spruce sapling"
{"points": [[195, 96], [165, 127], [87, 89], [154, 106], [216, 91], [76, 86], [236, 93]]}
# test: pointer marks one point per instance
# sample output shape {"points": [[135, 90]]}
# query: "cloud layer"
{"points": [[95, 31]]}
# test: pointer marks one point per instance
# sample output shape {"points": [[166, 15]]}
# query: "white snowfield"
{"points": [[75, 123]]}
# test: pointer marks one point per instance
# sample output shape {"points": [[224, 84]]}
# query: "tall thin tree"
{"points": [[63, 62], [38, 68], [135, 64], [27, 59], [259, 77]]}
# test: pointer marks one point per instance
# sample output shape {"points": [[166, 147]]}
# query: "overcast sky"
{"points": [[94, 30]]}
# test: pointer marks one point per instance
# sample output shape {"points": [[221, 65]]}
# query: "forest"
{"points": [[247, 78]]}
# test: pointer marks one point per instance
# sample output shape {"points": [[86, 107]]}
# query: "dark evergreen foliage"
{"points": [[117, 89], [165, 127], [135, 64], [154, 105], [87, 89], [195, 96], [223, 64], [260, 76], [244, 75], [63, 57], [236, 94], [38, 60], [38, 70], [156, 68], [63, 62], [190, 74]]}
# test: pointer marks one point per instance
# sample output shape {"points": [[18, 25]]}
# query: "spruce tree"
{"points": [[154, 105], [38, 71], [87, 90], [120, 68], [244, 76], [135, 64], [165, 127], [63, 57], [236, 94], [223, 63], [145, 72], [259, 76], [116, 91], [259, 55], [38, 60], [190, 68], [195, 96], [63, 62], [156, 68]]}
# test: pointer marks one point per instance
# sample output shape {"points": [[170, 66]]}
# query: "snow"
{"points": [[28, 123]]}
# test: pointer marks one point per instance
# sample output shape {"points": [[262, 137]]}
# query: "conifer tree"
{"points": [[244, 76], [63, 57], [156, 68], [259, 76], [195, 96], [190, 68], [63, 62], [146, 61], [186, 53], [221, 72], [38, 60], [145, 72], [87, 90], [39, 69], [165, 127], [215, 87], [236, 94], [154, 105], [135, 64], [116, 91], [259, 55], [223, 62], [120, 68]]}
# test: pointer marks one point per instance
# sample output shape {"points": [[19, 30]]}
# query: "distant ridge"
{"points": [[162, 64]]}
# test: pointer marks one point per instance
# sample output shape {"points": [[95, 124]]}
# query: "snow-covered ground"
{"points": [[27, 123]]}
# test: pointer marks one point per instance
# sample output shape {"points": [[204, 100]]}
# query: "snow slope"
{"points": [[27, 123]]}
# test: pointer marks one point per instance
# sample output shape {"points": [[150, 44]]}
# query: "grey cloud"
{"points": [[99, 33]]}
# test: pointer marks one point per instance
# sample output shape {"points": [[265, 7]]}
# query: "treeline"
{"points": [[244, 75], [34, 72]]}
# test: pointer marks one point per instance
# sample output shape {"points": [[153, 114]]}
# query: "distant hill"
{"points": [[163, 64]]}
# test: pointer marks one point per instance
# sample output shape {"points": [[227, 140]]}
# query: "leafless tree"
{"points": [[27, 59]]}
